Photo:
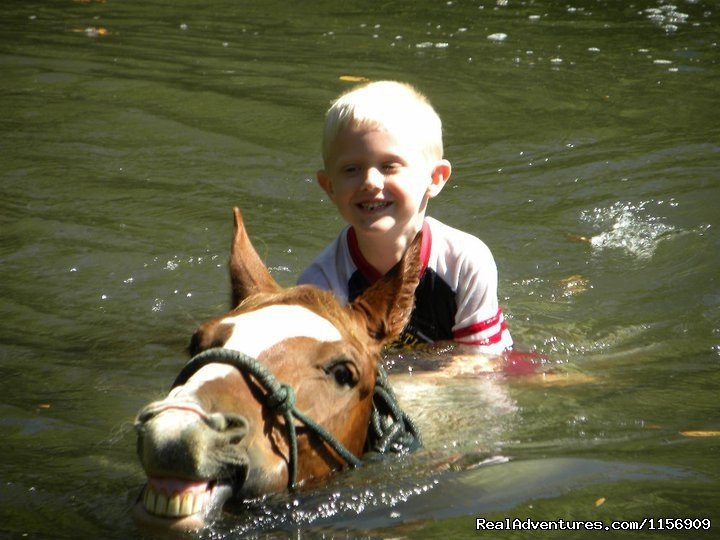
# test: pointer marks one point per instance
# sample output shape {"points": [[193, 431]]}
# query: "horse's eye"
{"points": [[343, 372]]}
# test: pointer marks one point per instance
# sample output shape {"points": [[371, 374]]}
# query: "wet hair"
{"points": [[388, 105]]}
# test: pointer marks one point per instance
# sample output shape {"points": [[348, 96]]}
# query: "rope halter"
{"points": [[390, 428]]}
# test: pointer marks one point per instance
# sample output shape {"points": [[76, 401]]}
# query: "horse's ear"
{"points": [[248, 274], [386, 305]]}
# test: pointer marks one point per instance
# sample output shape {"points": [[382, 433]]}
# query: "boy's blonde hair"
{"points": [[389, 105]]}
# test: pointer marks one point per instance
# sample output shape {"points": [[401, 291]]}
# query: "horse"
{"points": [[231, 427]]}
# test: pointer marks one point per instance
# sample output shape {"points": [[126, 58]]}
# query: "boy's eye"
{"points": [[350, 169], [393, 166]]}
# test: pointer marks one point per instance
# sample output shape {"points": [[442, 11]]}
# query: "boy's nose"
{"points": [[374, 178]]}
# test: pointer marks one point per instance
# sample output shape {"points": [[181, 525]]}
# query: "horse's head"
{"points": [[216, 433]]}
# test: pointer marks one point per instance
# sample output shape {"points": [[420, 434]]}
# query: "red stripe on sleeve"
{"points": [[495, 338], [478, 326]]}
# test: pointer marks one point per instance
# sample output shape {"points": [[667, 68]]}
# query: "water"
{"points": [[586, 153]]}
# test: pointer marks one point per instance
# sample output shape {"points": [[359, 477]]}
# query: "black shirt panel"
{"points": [[433, 313]]}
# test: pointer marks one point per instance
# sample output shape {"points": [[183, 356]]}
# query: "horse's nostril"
{"points": [[236, 422], [228, 422], [237, 428], [144, 416]]}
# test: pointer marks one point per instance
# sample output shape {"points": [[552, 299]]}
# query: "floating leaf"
{"points": [[92, 31], [578, 238], [574, 284], [354, 78]]}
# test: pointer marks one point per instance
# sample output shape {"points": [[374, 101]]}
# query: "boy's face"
{"points": [[380, 181]]}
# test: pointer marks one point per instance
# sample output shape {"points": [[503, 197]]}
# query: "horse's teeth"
{"points": [[199, 503], [187, 507], [161, 504], [158, 503], [149, 500], [173, 507]]}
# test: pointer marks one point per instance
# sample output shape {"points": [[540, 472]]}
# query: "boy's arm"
{"points": [[479, 320]]}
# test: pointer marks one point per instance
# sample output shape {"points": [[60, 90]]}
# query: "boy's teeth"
{"points": [[374, 206]]}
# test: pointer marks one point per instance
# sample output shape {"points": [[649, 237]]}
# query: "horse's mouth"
{"points": [[182, 504]]}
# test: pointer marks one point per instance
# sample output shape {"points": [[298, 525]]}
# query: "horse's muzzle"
{"points": [[184, 452]]}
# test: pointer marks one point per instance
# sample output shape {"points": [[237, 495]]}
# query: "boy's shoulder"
{"points": [[330, 268], [459, 258], [451, 241]]}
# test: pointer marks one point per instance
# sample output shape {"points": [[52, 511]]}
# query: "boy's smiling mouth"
{"points": [[373, 206]]}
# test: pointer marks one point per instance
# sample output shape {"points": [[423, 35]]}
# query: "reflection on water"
{"points": [[583, 138]]}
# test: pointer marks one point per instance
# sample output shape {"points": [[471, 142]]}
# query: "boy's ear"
{"points": [[324, 182], [439, 176]]}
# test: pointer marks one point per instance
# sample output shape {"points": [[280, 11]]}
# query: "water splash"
{"points": [[631, 228], [338, 500]]}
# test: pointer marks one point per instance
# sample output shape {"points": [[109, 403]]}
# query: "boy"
{"points": [[383, 162]]}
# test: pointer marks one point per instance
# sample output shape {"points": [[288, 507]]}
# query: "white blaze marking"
{"points": [[256, 331]]}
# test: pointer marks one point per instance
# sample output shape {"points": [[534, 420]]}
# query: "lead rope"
{"points": [[390, 427]]}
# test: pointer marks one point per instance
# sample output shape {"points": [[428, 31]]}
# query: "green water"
{"points": [[129, 129]]}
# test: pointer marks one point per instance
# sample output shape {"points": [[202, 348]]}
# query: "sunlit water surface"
{"points": [[586, 151]]}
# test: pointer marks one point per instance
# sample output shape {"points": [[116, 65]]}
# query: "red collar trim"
{"points": [[425, 247], [371, 273]]}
